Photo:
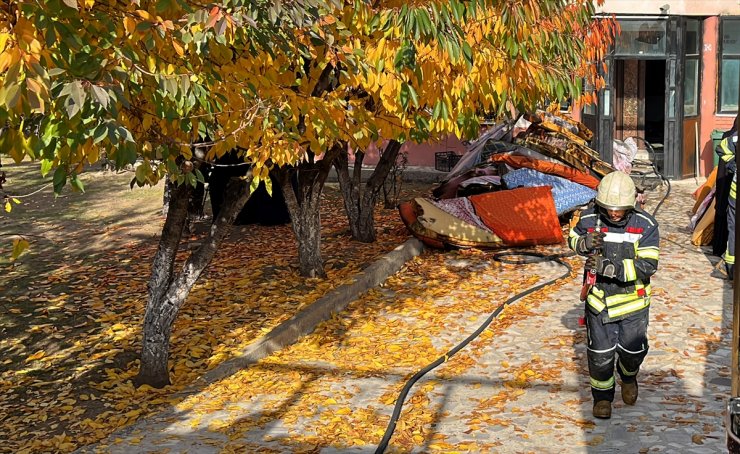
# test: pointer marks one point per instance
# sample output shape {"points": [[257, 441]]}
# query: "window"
{"points": [[641, 37], [729, 66], [691, 74]]}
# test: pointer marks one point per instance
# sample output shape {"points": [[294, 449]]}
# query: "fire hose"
{"points": [[503, 257], [533, 257]]}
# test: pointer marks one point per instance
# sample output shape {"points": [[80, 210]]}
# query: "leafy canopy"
{"points": [[149, 79]]}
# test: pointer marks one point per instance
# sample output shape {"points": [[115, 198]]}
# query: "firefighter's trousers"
{"points": [[624, 341], [729, 255]]}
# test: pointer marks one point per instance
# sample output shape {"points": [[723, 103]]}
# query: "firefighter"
{"points": [[621, 242], [726, 151]]}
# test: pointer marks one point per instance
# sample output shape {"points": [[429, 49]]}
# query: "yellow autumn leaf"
{"points": [[5, 60], [178, 48], [19, 246], [143, 14], [129, 24], [38, 355]]}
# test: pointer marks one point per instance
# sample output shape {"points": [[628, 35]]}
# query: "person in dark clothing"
{"points": [[721, 196], [726, 151], [621, 242]]}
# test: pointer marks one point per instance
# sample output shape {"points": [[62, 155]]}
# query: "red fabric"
{"points": [[551, 168], [520, 217]]}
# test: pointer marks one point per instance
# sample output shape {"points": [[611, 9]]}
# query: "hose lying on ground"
{"points": [[533, 257]]}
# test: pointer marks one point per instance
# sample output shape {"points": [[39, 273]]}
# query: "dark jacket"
{"points": [[633, 247]]}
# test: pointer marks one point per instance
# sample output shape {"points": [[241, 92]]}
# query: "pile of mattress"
{"points": [[517, 186]]}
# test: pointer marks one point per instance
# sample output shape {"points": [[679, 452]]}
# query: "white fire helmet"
{"points": [[616, 192]]}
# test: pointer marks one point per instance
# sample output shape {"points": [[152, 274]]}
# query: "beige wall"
{"points": [[684, 8]]}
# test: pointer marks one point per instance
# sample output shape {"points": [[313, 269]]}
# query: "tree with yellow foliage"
{"points": [[429, 69], [169, 84], [150, 83]]}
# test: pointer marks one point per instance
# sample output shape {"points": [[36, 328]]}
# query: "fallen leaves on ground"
{"points": [[386, 336], [72, 333]]}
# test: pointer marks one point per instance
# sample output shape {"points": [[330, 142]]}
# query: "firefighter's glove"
{"points": [[590, 242], [603, 266]]}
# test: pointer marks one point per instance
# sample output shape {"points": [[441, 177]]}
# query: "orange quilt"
{"points": [[520, 217]]}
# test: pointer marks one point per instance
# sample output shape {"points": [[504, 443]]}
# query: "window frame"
{"points": [[694, 55], [721, 58]]}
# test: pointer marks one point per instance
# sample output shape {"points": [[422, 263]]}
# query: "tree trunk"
{"points": [[303, 198], [360, 204], [167, 290]]}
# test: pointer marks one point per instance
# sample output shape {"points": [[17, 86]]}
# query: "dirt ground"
{"points": [[71, 307]]}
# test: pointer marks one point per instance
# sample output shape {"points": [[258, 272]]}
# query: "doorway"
{"points": [[655, 103], [639, 109]]}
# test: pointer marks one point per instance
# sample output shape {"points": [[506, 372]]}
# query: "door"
{"points": [[691, 90], [671, 163], [598, 117]]}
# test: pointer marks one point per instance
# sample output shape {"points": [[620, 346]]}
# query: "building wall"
{"points": [[676, 8], [420, 154], [709, 119]]}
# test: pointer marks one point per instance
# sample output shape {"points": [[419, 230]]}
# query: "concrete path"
{"points": [[521, 387]]}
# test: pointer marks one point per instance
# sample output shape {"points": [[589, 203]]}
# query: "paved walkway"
{"points": [[521, 387]]}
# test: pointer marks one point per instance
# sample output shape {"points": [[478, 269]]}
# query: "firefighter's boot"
{"points": [[603, 409], [629, 393]]}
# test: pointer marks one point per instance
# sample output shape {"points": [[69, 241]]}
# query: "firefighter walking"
{"points": [[622, 246]]}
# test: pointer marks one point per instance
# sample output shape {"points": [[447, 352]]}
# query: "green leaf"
{"points": [[101, 95], [268, 186], [46, 166], [71, 4], [60, 179], [414, 96], [468, 54], [76, 98], [77, 184], [12, 94], [559, 91], [11, 76], [199, 176], [404, 95], [437, 109], [164, 5], [100, 132]]}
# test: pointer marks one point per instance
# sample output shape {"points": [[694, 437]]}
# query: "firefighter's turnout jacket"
{"points": [[633, 247], [726, 152]]}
